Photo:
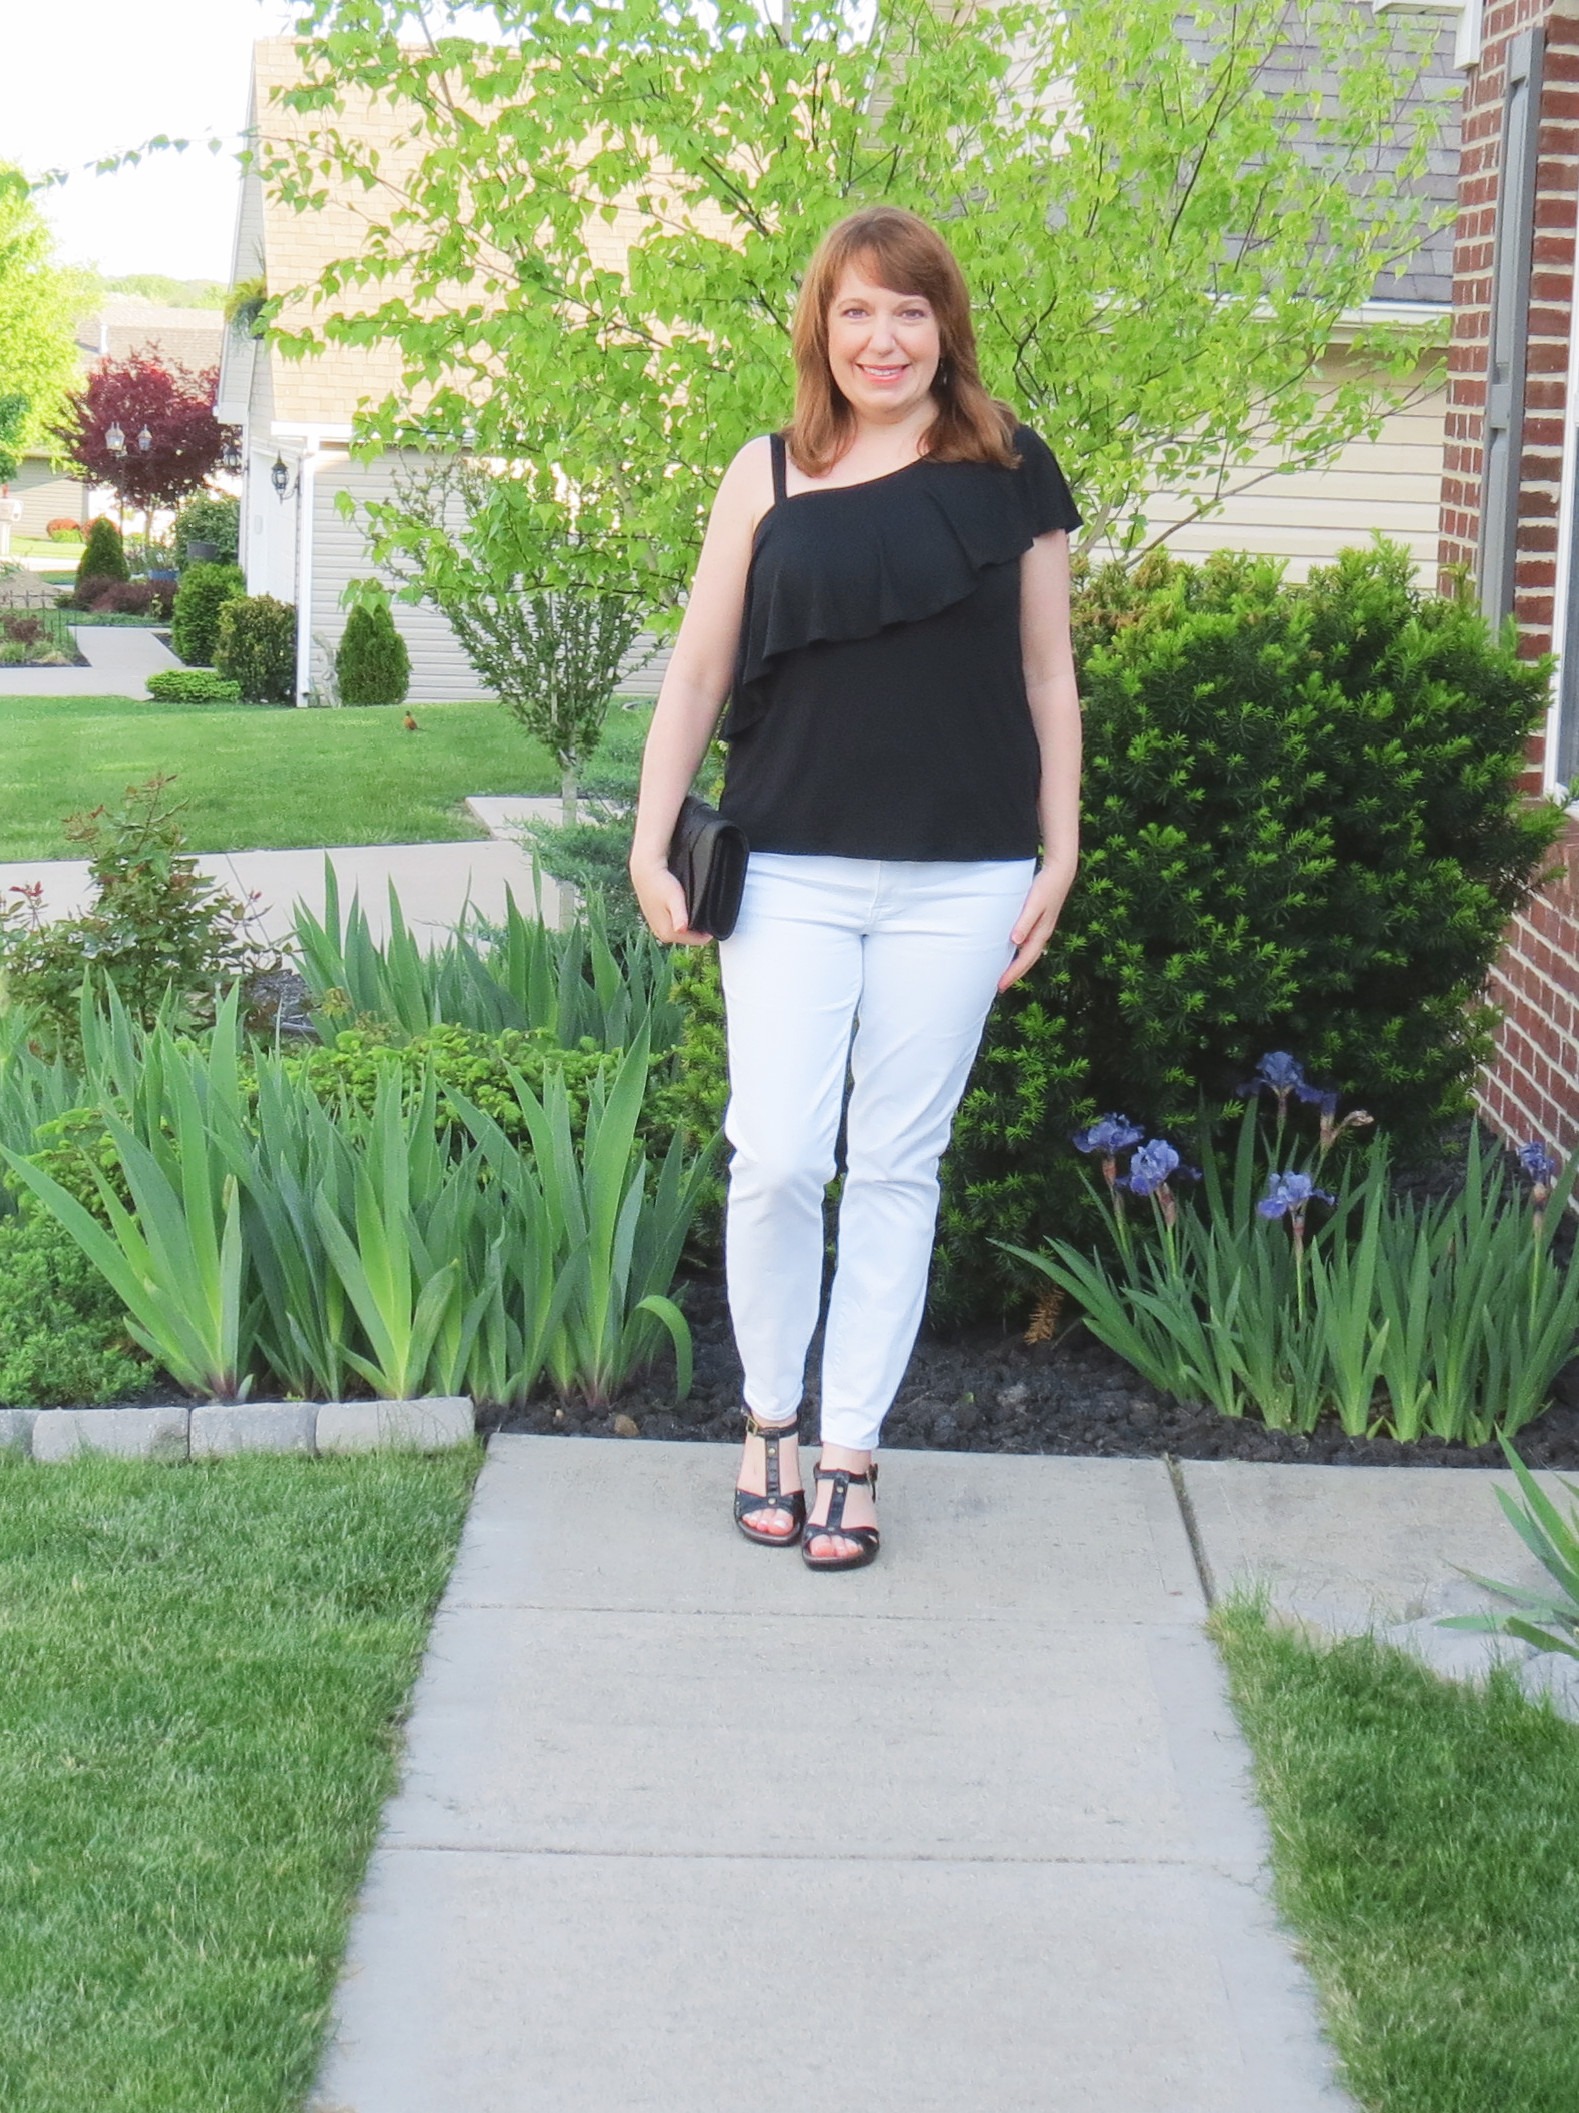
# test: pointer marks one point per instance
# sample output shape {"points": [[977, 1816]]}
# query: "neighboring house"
{"points": [[123, 326], [1394, 482], [1511, 485], [296, 417]]}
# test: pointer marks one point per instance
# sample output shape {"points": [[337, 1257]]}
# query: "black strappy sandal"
{"points": [[748, 1503], [866, 1536]]}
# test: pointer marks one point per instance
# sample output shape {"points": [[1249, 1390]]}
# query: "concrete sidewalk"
{"points": [[683, 1826], [1381, 1549], [434, 882], [120, 661]]}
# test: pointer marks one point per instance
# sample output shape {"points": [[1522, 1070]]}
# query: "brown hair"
{"points": [[901, 252]]}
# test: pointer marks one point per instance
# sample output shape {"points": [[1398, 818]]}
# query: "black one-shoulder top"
{"points": [[879, 707]]}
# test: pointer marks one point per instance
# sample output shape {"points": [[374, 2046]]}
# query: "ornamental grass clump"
{"points": [[580, 985], [1278, 1297]]}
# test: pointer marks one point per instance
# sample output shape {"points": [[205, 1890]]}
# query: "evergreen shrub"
{"points": [[371, 663], [103, 556], [192, 686], [256, 647], [194, 625], [1301, 830]]}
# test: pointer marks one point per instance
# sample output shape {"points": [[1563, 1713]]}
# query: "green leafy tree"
{"points": [[38, 354], [13, 423], [1162, 234]]}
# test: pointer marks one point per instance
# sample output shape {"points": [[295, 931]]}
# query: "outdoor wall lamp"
{"points": [[280, 476]]}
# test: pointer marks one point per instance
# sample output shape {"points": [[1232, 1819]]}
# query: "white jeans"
{"points": [[908, 953]]}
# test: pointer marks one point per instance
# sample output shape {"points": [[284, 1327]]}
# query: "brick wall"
{"points": [[1532, 1088]]}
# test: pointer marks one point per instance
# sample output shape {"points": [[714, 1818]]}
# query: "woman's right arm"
{"points": [[695, 685]]}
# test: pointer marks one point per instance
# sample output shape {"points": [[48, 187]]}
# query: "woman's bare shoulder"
{"points": [[745, 491]]}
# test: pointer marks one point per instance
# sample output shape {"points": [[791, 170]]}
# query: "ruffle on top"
{"points": [[849, 561]]}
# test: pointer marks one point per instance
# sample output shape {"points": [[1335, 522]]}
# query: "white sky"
{"points": [[98, 76]]}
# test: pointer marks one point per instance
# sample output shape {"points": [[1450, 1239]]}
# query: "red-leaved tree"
{"points": [[171, 405]]}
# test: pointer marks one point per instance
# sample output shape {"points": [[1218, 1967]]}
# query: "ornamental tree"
{"points": [[1162, 230], [461, 534], [168, 402]]}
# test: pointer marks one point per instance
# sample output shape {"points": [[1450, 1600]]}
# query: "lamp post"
{"points": [[115, 441]]}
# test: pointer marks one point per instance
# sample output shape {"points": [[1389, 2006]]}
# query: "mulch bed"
{"points": [[985, 1391]]}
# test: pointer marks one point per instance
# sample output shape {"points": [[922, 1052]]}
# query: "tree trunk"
{"points": [[567, 797]]}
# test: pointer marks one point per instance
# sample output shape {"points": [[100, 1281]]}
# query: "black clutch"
{"points": [[707, 856]]}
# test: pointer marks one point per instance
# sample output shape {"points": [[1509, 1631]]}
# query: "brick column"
{"points": [[1532, 1087]]}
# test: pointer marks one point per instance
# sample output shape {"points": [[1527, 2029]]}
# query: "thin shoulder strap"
{"points": [[776, 443]]}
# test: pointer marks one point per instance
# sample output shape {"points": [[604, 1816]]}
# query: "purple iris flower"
{"points": [[1280, 1073], [1150, 1168], [1290, 1192], [1113, 1133], [1539, 1162]]}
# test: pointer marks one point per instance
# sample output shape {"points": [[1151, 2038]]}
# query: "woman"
{"points": [[883, 592]]}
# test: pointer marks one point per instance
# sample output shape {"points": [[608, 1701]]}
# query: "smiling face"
{"points": [[883, 347]]}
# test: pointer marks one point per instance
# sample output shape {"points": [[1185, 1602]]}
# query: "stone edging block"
{"points": [[217, 1430], [130, 1434], [16, 1428], [222, 1428], [369, 1426]]}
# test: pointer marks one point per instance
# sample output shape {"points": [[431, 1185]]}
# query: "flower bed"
{"points": [[984, 1391], [37, 638]]}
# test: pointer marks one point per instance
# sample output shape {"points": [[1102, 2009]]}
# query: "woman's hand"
{"points": [[1036, 922], [662, 901]]}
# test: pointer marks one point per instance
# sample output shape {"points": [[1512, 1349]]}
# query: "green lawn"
{"points": [[258, 779], [1424, 1852], [203, 1671]]}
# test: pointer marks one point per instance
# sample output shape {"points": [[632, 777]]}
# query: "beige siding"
{"points": [[47, 495], [1392, 483]]}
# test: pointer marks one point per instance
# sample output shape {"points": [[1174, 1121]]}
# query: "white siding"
{"points": [[440, 671]]}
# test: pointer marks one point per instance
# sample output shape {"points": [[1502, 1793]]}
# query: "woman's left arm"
{"points": [[1055, 712]]}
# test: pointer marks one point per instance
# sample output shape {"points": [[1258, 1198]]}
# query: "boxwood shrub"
{"points": [[193, 686], [256, 647], [194, 623]]}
